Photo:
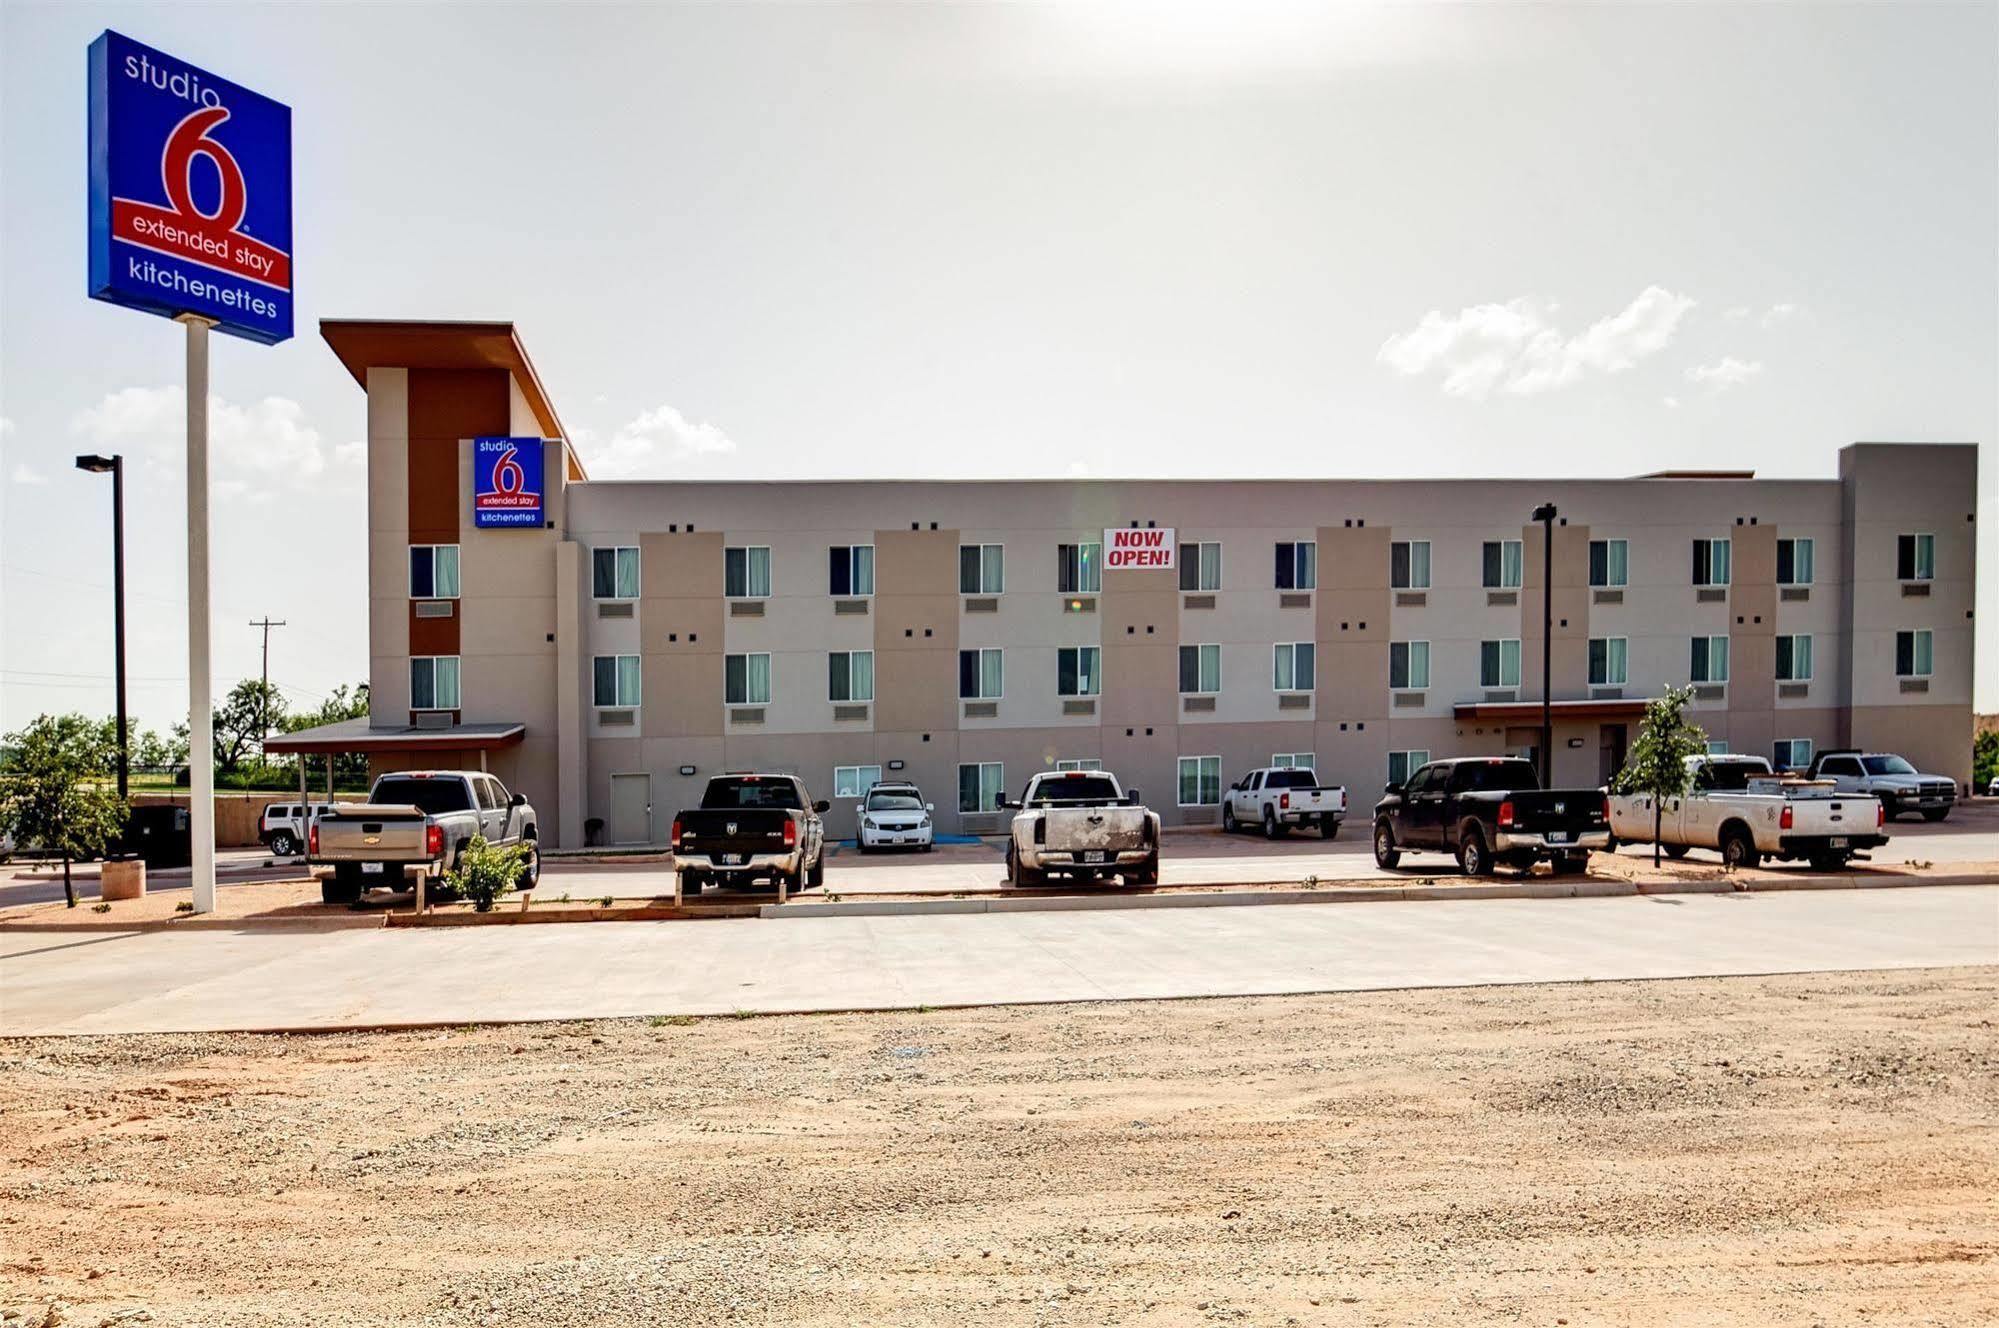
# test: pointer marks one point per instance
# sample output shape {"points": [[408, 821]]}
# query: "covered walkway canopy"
{"points": [[1529, 712], [365, 738]]}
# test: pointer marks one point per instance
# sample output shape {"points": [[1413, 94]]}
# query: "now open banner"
{"points": [[190, 192], [1129, 549]]}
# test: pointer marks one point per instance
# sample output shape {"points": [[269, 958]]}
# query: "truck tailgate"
{"points": [[1078, 829], [368, 831], [1847, 814], [718, 834], [1537, 811]]}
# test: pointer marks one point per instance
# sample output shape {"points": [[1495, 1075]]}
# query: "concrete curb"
{"points": [[1566, 889]]}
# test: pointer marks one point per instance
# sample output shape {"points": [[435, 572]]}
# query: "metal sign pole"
{"points": [[200, 699]]}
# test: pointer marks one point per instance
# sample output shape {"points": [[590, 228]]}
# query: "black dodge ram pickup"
{"points": [[1490, 810], [750, 827]]}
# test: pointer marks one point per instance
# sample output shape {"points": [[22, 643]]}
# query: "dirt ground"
{"points": [[1772, 1151]]}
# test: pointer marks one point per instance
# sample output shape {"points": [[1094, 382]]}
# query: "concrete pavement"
{"points": [[213, 980]]}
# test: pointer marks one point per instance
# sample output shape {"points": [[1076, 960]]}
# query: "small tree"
{"points": [[1657, 766], [486, 871], [52, 792], [241, 719], [1984, 760]]}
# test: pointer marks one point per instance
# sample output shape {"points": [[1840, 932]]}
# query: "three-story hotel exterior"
{"points": [[965, 634]]}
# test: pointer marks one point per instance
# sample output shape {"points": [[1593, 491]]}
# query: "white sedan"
{"points": [[895, 816]]}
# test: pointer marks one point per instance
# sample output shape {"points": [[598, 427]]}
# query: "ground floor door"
{"points": [[1613, 744], [1525, 743], [631, 809]]}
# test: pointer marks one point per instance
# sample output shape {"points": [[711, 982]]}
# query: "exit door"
{"points": [[631, 809], [1613, 745]]}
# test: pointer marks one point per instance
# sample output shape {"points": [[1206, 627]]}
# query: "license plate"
{"points": [[732, 859], [1837, 841], [1558, 836], [1093, 855], [371, 868]]}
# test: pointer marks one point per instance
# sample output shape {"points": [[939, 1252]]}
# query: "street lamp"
{"points": [[1545, 514], [116, 465]]}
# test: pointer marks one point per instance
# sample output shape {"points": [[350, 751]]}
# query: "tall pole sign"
{"points": [[191, 219]]}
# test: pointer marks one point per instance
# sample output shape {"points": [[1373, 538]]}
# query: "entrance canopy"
{"points": [[360, 736], [1529, 712]]}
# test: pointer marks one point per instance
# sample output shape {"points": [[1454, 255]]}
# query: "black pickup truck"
{"points": [[749, 828], [1489, 810]]}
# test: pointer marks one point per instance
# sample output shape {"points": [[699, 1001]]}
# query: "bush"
{"points": [[486, 871]]}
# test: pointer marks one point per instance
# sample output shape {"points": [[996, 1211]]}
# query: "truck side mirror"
{"points": [[930, 807], [1391, 788], [518, 800], [821, 805], [1131, 798]]}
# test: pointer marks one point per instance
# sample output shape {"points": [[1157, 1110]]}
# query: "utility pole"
{"points": [[264, 694]]}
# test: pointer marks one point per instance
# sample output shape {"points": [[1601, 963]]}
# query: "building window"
{"points": [[1912, 654], [1078, 671], [1080, 569], [746, 572], [1201, 566], [850, 569], [1200, 670], [1295, 666], [1609, 562], [981, 569], [1607, 656], [1794, 562], [1791, 753], [617, 680], [979, 675], [1710, 562], [1915, 557], [1409, 564], [1499, 663], [1293, 760], [1710, 659], [1794, 659], [1401, 765], [853, 781], [434, 682], [1079, 763], [850, 675], [980, 786], [433, 571], [1200, 781], [1502, 565], [1717, 749], [1298, 565], [1408, 665], [746, 679], [614, 573]]}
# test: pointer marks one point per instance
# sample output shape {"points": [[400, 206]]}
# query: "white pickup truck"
{"points": [[416, 823], [1081, 824], [1739, 808], [1279, 797]]}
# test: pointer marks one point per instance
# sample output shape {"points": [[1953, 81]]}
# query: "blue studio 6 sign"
{"points": [[190, 192], [506, 482]]}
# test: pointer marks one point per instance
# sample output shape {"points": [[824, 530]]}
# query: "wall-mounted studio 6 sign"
{"points": [[506, 482], [190, 192]]}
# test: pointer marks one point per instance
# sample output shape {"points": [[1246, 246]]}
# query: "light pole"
{"points": [[116, 465], [1545, 514]]}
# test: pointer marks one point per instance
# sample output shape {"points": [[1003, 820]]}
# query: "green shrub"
{"points": [[487, 871]]}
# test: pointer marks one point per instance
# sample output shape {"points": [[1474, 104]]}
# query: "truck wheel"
{"points": [[283, 845], [1738, 849], [1678, 851], [1145, 875], [1229, 823], [1829, 862], [816, 876], [690, 884], [1386, 855], [1272, 827], [1569, 864], [1473, 859], [1328, 828], [532, 876], [343, 887], [1935, 814]]}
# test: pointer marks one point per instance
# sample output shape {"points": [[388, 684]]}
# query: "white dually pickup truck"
{"points": [[1080, 823], [1739, 808]]}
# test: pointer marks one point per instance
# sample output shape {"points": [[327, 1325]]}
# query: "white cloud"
{"points": [[1737, 314], [1724, 373], [27, 474], [643, 446], [1516, 349], [1779, 313], [6, 426], [1672, 403], [262, 446]]}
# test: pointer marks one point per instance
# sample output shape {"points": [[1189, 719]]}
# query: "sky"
{"points": [[1173, 238]]}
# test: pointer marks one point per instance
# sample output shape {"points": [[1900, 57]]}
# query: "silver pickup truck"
{"points": [[1080, 823], [416, 823]]}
